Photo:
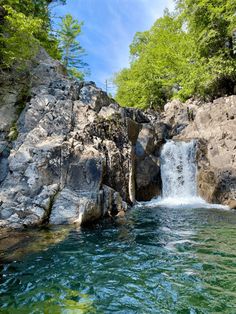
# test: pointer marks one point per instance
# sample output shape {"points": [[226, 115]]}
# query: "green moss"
{"points": [[13, 133], [20, 106], [22, 100]]}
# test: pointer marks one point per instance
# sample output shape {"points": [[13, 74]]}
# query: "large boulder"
{"points": [[178, 115]]}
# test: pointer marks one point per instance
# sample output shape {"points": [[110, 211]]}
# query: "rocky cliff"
{"points": [[71, 154]]}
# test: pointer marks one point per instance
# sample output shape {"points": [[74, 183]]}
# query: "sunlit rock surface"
{"points": [[214, 126], [76, 156], [70, 154]]}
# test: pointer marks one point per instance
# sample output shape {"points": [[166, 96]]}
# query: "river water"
{"points": [[175, 254], [155, 260]]}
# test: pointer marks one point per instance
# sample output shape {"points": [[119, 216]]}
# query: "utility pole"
{"points": [[109, 86], [106, 86]]}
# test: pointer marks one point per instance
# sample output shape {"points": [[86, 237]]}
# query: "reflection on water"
{"points": [[15, 244], [153, 261]]}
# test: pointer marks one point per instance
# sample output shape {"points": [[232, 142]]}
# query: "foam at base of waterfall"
{"points": [[179, 178], [183, 202]]}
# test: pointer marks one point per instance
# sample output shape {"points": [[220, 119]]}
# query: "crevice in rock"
{"points": [[132, 179], [48, 211]]}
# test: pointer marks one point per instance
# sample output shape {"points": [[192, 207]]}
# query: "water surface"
{"points": [[156, 260]]}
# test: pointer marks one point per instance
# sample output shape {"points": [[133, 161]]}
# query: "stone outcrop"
{"points": [[147, 156], [77, 155], [214, 126], [15, 88], [70, 154]]}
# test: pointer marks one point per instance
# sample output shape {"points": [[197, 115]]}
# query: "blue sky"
{"points": [[109, 27]]}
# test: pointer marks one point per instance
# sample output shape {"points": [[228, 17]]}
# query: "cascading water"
{"points": [[179, 177], [178, 169]]}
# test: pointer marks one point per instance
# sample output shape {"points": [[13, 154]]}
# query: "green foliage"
{"points": [[211, 24], [161, 59], [73, 72], [184, 54], [25, 27], [71, 50], [19, 42]]}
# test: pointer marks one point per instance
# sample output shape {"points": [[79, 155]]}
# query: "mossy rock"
{"points": [[13, 133]]}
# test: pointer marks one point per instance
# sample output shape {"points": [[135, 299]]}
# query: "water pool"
{"points": [[155, 260]]}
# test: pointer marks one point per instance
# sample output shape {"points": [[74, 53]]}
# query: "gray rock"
{"points": [[72, 161], [145, 141], [215, 129], [79, 156], [6, 213], [4, 167], [148, 178], [72, 207]]}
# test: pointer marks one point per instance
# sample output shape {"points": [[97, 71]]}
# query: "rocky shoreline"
{"points": [[74, 155]]}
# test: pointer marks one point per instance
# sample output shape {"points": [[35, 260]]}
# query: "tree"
{"points": [[211, 24], [71, 50], [25, 25], [190, 52], [18, 40], [161, 59]]}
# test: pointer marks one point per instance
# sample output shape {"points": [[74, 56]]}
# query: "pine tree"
{"points": [[72, 52]]}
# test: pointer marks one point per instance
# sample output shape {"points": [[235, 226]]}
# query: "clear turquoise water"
{"points": [[153, 261]]}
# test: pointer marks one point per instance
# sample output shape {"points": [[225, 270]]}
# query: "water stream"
{"points": [[179, 177], [178, 170]]}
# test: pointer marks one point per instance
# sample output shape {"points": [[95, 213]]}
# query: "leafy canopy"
{"points": [[186, 53], [25, 26], [19, 41]]}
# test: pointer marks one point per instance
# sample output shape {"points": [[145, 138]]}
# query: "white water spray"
{"points": [[179, 177], [178, 170]]}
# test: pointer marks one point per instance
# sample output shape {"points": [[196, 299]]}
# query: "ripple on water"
{"points": [[166, 261]]}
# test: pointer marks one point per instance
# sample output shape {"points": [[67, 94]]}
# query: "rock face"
{"points": [[214, 126], [147, 155], [15, 88], [74, 155], [78, 155]]}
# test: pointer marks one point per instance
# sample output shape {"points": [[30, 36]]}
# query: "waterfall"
{"points": [[179, 177], [178, 169]]}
